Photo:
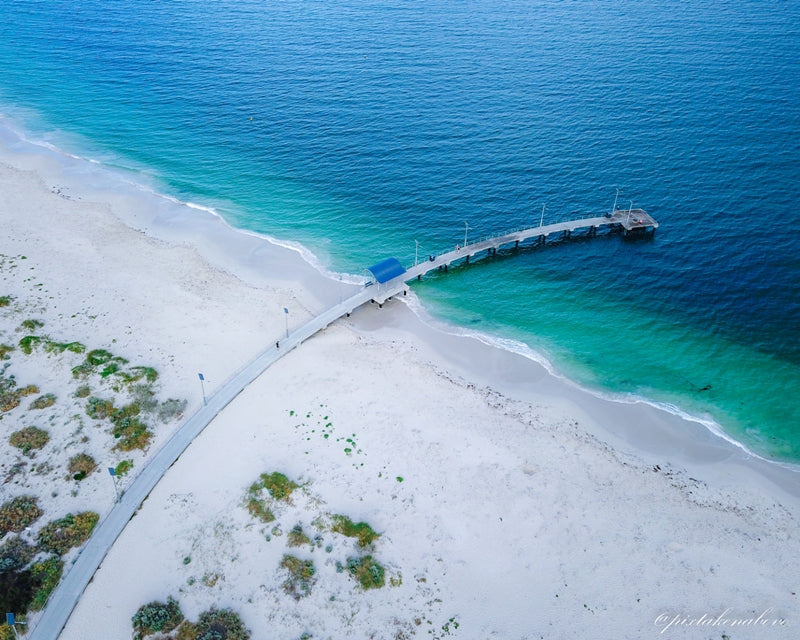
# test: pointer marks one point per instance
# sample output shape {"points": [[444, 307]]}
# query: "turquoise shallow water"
{"points": [[357, 128]]}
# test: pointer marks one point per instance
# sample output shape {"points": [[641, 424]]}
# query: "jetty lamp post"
{"points": [[541, 220], [286, 315], [202, 386], [113, 473], [466, 228], [416, 252]]}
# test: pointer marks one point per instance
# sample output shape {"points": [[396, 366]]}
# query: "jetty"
{"points": [[390, 278]]}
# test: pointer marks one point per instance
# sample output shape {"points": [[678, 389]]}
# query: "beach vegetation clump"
{"points": [[60, 347], [83, 391], [18, 513], [301, 576], [11, 394], [123, 468], [221, 624], [277, 485], [5, 301], [31, 324], [134, 374], [364, 533], [15, 553], [156, 617], [259, 509], [367, 572], [98, 408], [131, 433], [297, 537], [44, 401], [28, 439], [28, 343], [46, 575], [81, 465], [5, 349], [59, 536]]}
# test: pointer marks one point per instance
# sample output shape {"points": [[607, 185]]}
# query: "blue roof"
{"points": [[387, 269]]}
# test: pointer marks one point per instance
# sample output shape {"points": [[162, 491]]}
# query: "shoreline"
{"points": [[225, 246], [442, 411]]}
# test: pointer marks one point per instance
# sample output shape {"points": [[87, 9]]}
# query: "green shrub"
{"points": [[29, 438], [123, 467], [296, 537], [15, 553], [32, 324], [5, 301], [97, 357], [18, 513], [70, 531], [81, 465], [29, 343], [137, 373], [157, 617], [301, 576], [359, 530], [61, 347], [43, 402], [46, 575], [221, 624], [5, 349], [83, 391], [278, 485], [368, 573]]}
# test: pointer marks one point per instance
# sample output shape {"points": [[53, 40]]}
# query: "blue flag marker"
{"points": [[112, 471], [10, 619], [200, 375]]}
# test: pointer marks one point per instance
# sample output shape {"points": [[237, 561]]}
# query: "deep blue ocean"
{"points": [[358, 127]]}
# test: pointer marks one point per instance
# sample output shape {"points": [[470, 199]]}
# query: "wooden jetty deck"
{"points": [[629, 220]]}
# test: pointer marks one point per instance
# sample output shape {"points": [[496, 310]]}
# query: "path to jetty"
{"points": [[66, 595]]}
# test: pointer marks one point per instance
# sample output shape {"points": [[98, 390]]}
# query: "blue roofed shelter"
{"points": [[387, 269]]}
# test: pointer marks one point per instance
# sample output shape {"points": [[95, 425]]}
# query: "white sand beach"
{"points": [[511, 504]]}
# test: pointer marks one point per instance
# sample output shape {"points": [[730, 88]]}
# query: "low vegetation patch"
{"points": [[43, 402], [5, 349], [81, 465], [98, 408], [5, 301], [367, 572], [156, 617], [46, 575], [364, 533], [221, 624], [15, 553], [11, 394], [123, 468], [70, 531], [18, 513], [31, 324], [277, 485], [29, 439], [296, 537], [301, 576]]}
